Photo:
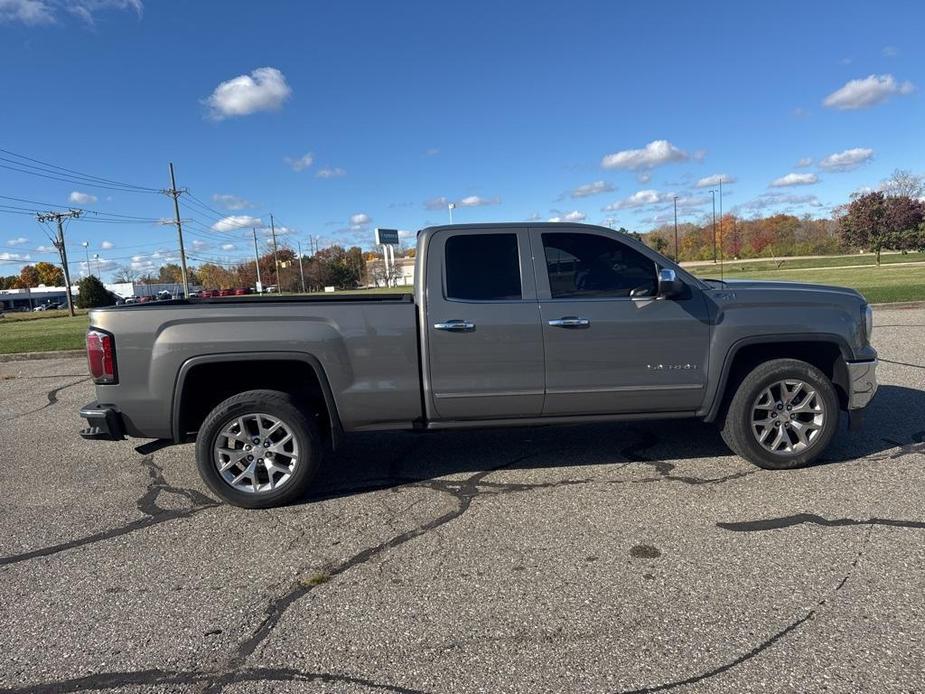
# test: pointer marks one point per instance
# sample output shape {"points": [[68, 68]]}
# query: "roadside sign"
{"points": [[386, 237]]}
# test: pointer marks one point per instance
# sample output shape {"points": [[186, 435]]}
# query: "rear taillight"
{"points": [[101, 355]]}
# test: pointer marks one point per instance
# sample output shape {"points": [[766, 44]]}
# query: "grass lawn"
{"points": [[803, 263], [889, 283], [41, 335]]}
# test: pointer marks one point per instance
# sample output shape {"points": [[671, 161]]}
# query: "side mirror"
{"points": [[668, 284]]}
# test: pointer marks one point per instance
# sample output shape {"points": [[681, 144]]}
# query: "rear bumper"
{"points": [[104, 423], [862, 383]]}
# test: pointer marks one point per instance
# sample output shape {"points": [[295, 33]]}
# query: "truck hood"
{"points": [[765, 285]]}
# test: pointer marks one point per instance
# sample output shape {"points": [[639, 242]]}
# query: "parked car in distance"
{"points": [[509, 324]]}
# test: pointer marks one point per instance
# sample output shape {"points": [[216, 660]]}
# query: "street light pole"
{"points": [[87, 256], [450, 207], [713, 193], [677, 256]]}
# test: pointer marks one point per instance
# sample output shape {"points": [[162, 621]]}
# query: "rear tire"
{"points": [[783, 415], [258, 449]]}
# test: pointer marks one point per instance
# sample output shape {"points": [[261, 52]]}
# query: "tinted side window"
{"points": [[483, 267], [591, 266]]}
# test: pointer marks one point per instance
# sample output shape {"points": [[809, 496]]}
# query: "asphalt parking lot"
{"points": [[635, 557]]}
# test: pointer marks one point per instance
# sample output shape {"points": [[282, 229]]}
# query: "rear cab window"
{"points": [[483, 267]]}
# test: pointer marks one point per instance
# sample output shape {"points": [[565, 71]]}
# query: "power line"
{"points": [[73, 172]]}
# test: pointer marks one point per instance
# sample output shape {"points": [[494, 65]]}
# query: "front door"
{"points": [[484, 343], [611, 345]]}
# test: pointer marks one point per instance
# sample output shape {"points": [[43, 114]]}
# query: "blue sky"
{"points": [[339, 117]]}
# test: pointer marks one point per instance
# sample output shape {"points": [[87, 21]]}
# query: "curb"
{"points": [[901, 304], [29, 356]]}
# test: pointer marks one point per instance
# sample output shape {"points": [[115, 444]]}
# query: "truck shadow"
{"points": [[894, 427]]}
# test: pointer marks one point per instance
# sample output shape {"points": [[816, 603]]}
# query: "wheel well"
{"points": [[206, 385], [825, 356]]}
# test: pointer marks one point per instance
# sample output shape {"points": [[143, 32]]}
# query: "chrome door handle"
{"points": [[456, 326], [570, 322]]}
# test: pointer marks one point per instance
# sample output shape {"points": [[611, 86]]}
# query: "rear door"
{"points": [[612, 346], [484, 343]]}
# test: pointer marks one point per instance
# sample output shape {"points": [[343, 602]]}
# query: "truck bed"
{"points": [[364, 346]]}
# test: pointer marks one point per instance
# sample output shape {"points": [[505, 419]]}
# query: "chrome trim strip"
{"points": [[492, 394], [622, 389]]}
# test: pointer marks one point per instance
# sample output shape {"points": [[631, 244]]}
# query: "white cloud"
{"points": [[714, 180], [228, 247], [438, 203], [573, 216], [18, 241], [476, 201], [890, 51], [359, 221], [431, 152], [594, 188], [804, 162], [237, 221], [329, 172], [264, 89], [656, 153], [46, 249], [848, 160], [638, 199], [231, 202], [795, 179], [35, 12], [200, 245], [106, 245], [776, 199], [867, 91], [4, 255], [79, 198], [643, 177], [300, 163]]}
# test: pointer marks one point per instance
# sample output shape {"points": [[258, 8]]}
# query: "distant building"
{"points": [[401, 276], [28, 299]]}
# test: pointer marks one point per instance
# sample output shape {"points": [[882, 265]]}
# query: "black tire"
{"points": [[737, 430], [276, 404]]}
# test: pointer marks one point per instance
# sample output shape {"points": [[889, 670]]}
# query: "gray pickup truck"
{"points": [[509, 324]]}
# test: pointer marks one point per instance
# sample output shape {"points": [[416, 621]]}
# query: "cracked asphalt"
{"points": [[636, 557]]}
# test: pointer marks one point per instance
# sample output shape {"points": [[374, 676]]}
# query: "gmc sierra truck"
{"points": [[509, 324]]}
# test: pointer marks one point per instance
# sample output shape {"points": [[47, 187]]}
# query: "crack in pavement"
{"points": [[901, 363], [146, 503], [52, 396], [158, 677], [764, 524], [767, 643]]}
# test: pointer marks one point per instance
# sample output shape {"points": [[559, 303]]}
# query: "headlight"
{"points": [[868, 320]]}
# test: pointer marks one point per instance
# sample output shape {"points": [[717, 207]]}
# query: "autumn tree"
{"points": [[50, 275], [29, 276], [879, 222]]}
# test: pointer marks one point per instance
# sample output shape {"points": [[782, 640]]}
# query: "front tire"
{"points": [[783, 415], [257, 449]]}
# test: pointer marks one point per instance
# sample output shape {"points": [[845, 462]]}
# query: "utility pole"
{"points": [[450, 207], [257, 263], [59, 218], [713, 193], [721, 227], [175, 194], [301, 269], [279, 288], [677, 258], [99, 271]]}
